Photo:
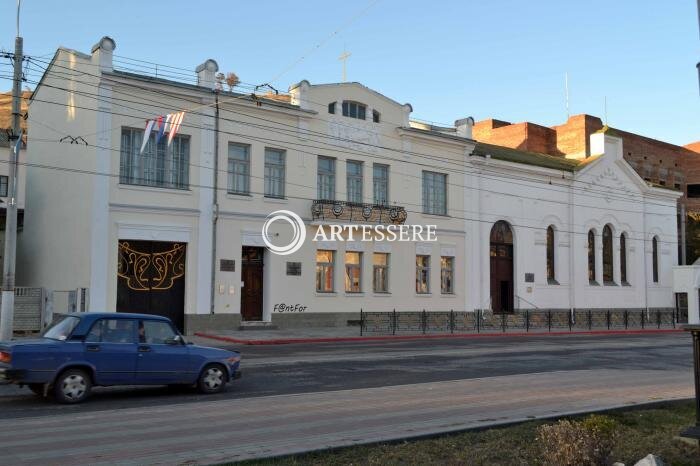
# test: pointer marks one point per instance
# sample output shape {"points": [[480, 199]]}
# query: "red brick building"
{"points": [[656, 161]]}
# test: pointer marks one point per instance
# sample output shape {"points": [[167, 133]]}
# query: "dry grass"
{"points": [[638, 432]]}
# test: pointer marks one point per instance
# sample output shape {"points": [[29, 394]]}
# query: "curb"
{"points": [[291, 341]]}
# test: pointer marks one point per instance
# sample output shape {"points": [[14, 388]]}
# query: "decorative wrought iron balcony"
{"points": [[348, 212]]}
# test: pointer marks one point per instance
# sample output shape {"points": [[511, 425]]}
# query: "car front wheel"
{"points": [[72, 386], [212, 379]]}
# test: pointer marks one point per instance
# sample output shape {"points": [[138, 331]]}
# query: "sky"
{"points": [[503, 59]]}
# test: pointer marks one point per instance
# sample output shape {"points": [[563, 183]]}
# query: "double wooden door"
{"points": [[252, 278]]}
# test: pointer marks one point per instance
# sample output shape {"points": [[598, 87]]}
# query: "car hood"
{"points": [[212, 352]]}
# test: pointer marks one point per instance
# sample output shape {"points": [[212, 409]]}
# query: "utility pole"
{"points": [[7, 306]]}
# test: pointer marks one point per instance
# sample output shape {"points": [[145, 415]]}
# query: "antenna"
{"points": [[344, 57], [566, 90]]}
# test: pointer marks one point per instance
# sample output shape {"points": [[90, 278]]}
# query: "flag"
{"points": [[175, 125], [161, 129], [168, 120], [146, 134]]}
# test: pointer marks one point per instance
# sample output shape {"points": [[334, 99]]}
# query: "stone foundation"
{"points": [[202, 322]]}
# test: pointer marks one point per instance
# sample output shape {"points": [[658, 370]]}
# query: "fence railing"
{"points": [[535, 320]]}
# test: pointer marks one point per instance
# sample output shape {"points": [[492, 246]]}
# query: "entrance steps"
{"points": [[257, 325]]}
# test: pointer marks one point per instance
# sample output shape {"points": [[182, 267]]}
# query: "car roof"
{"points": [[116, 315]]}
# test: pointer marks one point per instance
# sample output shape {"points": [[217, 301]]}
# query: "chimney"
{"points": [[300, 94], [206, 73], [464, 127], [102, 53]]}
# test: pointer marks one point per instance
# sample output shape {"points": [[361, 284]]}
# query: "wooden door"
{"points": [[252, 278], [501, 252]]}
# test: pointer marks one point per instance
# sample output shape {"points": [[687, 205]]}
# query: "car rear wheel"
{"points": [[212, 379], [37, 388], [72, 386]]}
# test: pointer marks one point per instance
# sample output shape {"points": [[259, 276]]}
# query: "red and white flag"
{"points": [[175, 123], [146, 134]]}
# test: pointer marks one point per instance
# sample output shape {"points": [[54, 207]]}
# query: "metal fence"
{"points": [[408, 322], [29, 313]]}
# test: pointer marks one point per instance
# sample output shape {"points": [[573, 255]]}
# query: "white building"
{"points": [[158, 232]]}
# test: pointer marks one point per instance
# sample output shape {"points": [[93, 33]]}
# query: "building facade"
{"points": [[180, 229]]}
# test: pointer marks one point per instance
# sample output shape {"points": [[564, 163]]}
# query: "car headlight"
{"points": [[6, 357]]}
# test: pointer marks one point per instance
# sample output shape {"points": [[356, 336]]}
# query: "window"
{"points": [[607, 255], [354, 110], [447, 273], [422, 274], [155, 333], [375, 116], [434, 193], [354, 181], [62, 329], [381, 272], [274, 173], [380, 182], [623, 259], [324, 271], [331, 108], [550, 256], [3, 186], [238, 169], [353, 272], [160, 165], [591, 257], [655, 259], [326, 178], [693, 190], [112, 331]]}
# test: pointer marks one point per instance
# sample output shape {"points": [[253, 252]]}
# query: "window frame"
{"points": [[377, 182], [447, 273], [551, 256], [655, 259], [350, 107], [162, 166], [271, 182], [384, 268], [325, 268], [623, 259], [349, 269], [231, 174], [423, 270], [102, 321], [608, 256], [351, 178], [591, 258], [326, 179], [434, 203]]}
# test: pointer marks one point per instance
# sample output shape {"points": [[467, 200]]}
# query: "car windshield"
{"points": [[62, 329]]}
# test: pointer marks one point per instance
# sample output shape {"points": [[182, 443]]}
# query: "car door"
{"points": [[163, 356], [111, 347]]}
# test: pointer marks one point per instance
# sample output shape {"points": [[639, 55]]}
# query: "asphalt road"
{"points": [[311, 368]]}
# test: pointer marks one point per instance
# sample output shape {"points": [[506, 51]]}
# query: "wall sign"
{"points": [[227, 265], [294, 269], [529, 278]]}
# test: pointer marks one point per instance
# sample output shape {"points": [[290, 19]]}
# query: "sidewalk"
{"points": [[352, 334]]}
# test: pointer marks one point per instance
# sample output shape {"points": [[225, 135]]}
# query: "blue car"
{"points": [[90, 349]]}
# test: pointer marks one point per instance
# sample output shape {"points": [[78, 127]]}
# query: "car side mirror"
{"points": [[176, 340]]}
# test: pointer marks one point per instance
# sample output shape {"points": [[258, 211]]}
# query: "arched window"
{"points": [[655, 259], [607, 255], [591, 257], [623, 259], [550, 256]]}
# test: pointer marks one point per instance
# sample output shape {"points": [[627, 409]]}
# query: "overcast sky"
{"points": [[449, 59]]}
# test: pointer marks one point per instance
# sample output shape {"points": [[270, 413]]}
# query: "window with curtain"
{"points": [[447, 274], [381, 272], [591, 257], [551, 273], [275, 168], [655, 259], [353, 272], [434, 193], [324, 271], [422, 274], [353, 171], [607, 255], [160, 165], [238, 168], [326, 178], [623, 259], [380, 182]]}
